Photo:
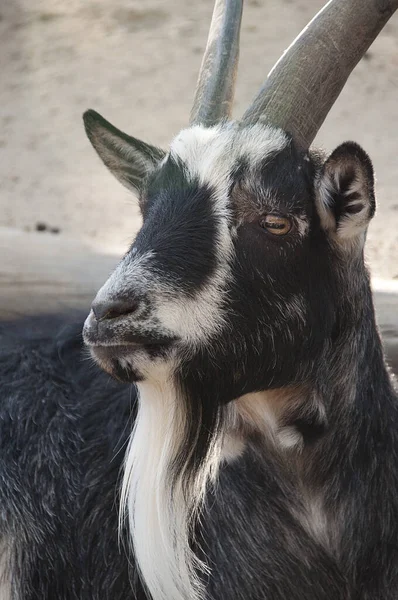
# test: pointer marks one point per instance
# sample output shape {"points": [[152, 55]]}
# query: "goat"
{"points": [[263, 457]]}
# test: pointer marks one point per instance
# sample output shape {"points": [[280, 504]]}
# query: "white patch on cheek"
{"points": [[195, 320]]}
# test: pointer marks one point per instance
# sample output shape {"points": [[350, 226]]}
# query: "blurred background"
{"points": [[136, 62]]}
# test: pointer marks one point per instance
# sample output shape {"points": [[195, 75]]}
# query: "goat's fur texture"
{"points": [[263, 459], [63, 430]]}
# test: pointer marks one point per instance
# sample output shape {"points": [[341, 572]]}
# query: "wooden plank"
{"points": [[42, 273]]}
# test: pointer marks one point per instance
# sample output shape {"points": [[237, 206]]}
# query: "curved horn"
{"points": [[216, 82], [305, 82]]}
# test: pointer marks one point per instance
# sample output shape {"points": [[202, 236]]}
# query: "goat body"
{"points": [[267, 422], [262, 464]]}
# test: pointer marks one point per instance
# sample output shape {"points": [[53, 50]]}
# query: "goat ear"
{"points": [[345, 194], [129, 159]]}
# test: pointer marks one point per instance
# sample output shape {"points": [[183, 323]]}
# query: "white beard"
{"points": [[161, 503]]}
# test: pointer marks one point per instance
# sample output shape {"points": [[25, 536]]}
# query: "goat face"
{"points": [[236, 275]]}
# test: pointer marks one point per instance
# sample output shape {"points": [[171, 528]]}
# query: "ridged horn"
{"points": [[305, 82], [216, 82]]}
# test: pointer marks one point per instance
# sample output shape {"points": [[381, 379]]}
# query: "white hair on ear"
{"points": [[345, 186]]}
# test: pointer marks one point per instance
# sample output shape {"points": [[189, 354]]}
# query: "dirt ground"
{"points": [[136, 61]]}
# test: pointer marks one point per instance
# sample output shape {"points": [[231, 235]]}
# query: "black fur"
{"points": [[179, 228], [63, 430]]}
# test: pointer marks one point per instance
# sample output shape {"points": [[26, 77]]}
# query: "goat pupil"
{"points": [[278, 225]]}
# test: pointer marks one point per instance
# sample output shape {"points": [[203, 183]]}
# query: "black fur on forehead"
{"points": [[180, 228], [282, 181], [288, 173]]}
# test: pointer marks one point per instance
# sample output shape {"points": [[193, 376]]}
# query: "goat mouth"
{"points": [[124, 352], [117, 361], [122, 361], [122, 339]]}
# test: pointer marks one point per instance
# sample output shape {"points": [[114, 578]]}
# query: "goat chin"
{"points": [[161, 496]]}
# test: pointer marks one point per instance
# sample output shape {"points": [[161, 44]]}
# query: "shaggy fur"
{"points": [[63, 431]]}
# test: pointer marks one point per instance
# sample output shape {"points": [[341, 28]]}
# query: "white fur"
{"points": [[260, 412], [322, 526], [314, 519], [193, 319], [211, 153], [160, 514], [289, 437], [325, 190], [354, 225]]}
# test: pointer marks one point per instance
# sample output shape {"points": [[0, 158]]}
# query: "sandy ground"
{"points": [[136, 61]]}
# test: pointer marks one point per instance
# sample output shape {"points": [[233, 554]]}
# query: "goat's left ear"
{"points": [[345, 192]]}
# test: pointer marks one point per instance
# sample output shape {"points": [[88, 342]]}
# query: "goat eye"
{"points": [[276, 225]]}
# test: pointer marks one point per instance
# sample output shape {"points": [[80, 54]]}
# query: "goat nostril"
{"points": [[113, 309]]}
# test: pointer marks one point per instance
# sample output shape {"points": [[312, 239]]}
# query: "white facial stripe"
{"points": [[210, 154]]}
